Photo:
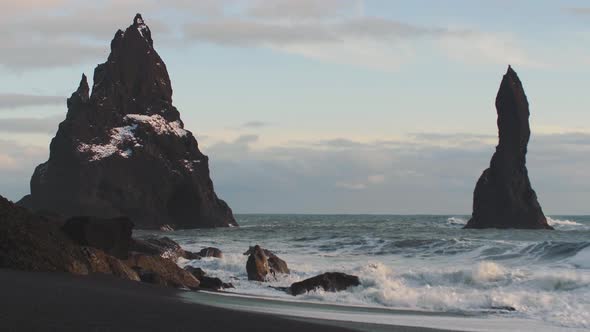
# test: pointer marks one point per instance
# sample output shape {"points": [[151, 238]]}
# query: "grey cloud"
{"points": [[255, 124], [419, 177], [240, 32], [15, 100], [19, 56], [302, 8], [63, 38], [46, 125], [243, 32], [578, 10]]}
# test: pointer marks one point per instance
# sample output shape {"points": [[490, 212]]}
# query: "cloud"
{"points": [[302, 9], [46, 125], [431, 174], [583, 11], [255, 124], [15, 100], [369, 41], [62, 33], [482, 48]]}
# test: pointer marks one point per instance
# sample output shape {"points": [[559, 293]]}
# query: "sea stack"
{"points": [[503, 197], [123, 151]]}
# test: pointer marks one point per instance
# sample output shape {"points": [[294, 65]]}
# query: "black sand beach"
{"points": [[61, 302]]}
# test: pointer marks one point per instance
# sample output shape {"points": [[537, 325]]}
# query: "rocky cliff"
{"points": [[123, 150], [503, 197]]}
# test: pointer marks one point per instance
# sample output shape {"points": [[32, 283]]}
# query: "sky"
{"points": [[323, 106]]}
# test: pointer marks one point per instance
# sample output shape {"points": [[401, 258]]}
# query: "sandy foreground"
{"points": [[34, 301]]}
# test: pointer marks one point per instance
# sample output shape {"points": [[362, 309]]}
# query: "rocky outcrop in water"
{"points": [[123, 151], [164, 247], [329, 282], [211, 252], [262, 263], [257, 264], [207, 282], [503, 197]]}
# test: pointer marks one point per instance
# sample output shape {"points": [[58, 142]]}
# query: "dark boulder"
{"points": [[161, 271], [213, 283], [100, 262], [113, 236], [275, 264], [164, 247], [211, 252], [257, 265], [196, 271], [122, 149], [329, 282], [33, 243], [207, 282], [503, 196]]}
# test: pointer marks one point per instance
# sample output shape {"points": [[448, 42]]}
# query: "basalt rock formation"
{"points": [[113, 236], [123, 151], [33, 243], [503, 197], [262, 263], [81, 246], [329, 282]]}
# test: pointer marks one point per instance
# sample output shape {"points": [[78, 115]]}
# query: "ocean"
{"points": [[421, 263]]}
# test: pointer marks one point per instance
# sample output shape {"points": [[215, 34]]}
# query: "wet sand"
{"points": [[35, 301]]}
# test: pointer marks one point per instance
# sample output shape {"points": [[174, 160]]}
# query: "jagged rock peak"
{"points": [[81, 95], [134, 70], [83, 89], [125, 152], [503, 196]]}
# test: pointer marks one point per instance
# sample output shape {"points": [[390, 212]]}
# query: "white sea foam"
{"points": [[425, 266], [456, 221], [560, 298], [581, 259], [565, 224]]}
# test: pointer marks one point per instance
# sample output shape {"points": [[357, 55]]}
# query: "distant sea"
{"points": [[426, 263]]}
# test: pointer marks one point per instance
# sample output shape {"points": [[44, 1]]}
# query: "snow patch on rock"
{"points": [[159, 124], [119, 136]]}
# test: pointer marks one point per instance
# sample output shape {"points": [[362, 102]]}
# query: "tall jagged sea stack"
{"points": [[123, 151], [503, 197]]}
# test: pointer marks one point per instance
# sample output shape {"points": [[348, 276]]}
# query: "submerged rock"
{"points": [[207, 282], [503, 197], [113, 236], [123, 151], [329, 282], [257, 264], [262, 262], [211, 252]]}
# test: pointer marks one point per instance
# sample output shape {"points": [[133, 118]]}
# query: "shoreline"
{"points": [[52, 301]]}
